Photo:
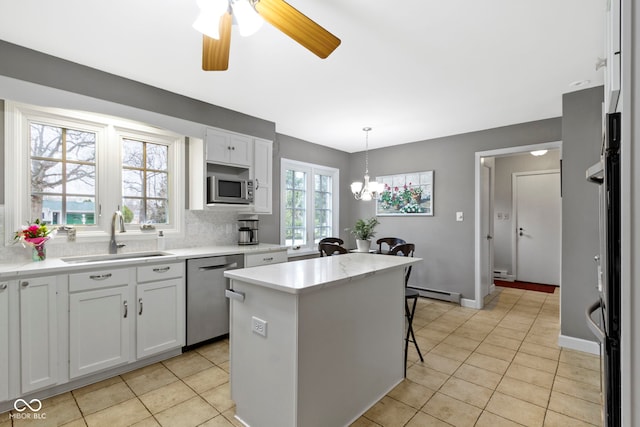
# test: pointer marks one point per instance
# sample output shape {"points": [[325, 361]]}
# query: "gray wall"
{"points": [[447, 246], [582, 139], [504, 168]]}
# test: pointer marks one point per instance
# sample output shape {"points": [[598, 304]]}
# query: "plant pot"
{"points": [[38, 253], [363, 245]]}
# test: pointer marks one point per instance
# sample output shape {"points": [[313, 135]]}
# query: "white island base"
{"points": [[333, 343]]}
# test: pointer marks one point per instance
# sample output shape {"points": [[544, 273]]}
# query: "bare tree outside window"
{"points": [[63, 174]]}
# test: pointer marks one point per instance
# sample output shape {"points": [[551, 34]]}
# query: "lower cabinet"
{"points": [[273, 257], [4, 341], [98, 330], [38, 333]]}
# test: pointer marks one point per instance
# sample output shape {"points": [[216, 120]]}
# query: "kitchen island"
{"points": [[316, 342]]}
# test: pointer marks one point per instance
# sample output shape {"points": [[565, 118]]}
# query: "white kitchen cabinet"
{"points": [[160, 309], [228, 148], [4, 341], [38, 333], [266, 258], [612, 52], [262, 174], [99, 321]]}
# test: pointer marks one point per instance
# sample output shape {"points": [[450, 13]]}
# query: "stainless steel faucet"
{"points": [[117, 216]]}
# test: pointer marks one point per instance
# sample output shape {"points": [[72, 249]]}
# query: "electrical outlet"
{"points": [[459, 216], [259, 326]]}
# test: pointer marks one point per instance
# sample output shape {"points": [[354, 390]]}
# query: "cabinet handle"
{"points": [[3, 286], [257, 183], [126, 309], [24, 284], [100, 276], [228, 147], [140, 302], [268, 259], [161, 269]]}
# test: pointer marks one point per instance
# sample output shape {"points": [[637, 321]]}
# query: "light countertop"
{"points": [[311, 274]]}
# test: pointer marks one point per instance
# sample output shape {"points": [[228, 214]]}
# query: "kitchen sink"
{"points": [[112, 257]]}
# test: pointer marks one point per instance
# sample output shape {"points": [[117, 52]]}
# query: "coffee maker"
{"points": [[248, 230]]}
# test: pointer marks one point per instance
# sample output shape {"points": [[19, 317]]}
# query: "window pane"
{"points": [[81, 179], [81, 211], [47, 208], [157, 184], [46, 177], [132, 211], [81, 146], [157, 211], [132, 153], [157, 156], [132, 183], [46, 141]]}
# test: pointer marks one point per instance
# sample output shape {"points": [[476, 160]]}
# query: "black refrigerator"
{"points": [[603, 317]]}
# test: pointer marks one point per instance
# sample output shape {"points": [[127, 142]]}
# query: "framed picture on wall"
{"points": [[406, 194]]}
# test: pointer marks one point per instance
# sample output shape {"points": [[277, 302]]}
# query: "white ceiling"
{"points": [[412, 69]]}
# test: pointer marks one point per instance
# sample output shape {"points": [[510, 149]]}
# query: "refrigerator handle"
{"points": [[595, 329], [236, 295]]}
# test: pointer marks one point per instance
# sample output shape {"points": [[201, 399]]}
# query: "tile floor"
{"points": [[496, 367]]}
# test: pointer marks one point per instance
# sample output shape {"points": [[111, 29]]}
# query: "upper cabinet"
{"points": [[612, 55], [262, 175], [228, 148]]}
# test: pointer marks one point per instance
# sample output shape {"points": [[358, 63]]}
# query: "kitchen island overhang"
{"points": [[316, 342]]}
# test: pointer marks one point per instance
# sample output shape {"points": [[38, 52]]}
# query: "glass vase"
{"points": [[38, 253]]}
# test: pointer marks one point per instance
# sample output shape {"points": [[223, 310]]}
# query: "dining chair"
{"points": [[390, 242], [328, 249], [407, 249], [330, 240]]}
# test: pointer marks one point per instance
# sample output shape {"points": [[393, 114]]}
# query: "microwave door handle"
{"points": [[595, 329]]}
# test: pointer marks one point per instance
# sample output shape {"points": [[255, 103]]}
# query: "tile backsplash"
{"points": [[201, 228]]}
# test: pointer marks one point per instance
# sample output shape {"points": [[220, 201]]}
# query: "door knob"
{"points": [[489, 237]]}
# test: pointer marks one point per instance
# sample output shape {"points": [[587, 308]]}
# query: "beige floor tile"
{"points": [[219, 397], [452, 411], [75, 423], [422, 419], [62, 412], [225, 366], [580, 359], [412, 394], [540, 350], [498, 352], [426, 376], [487, 362], [217, 421], [122, 414], [149, 378], [478, 376], [451, 352], [509, 333], [530, 375], [575, 408], [578, 389], [549, 341], [229, 414], [207, 379], [497, 339], [467, 392], [364, 422], [469, 333], [187, 364], [524, 391], [516, 410], [464, 343], [102, 398], [536, 362], [96, 386], [147, 422], [218, 352], [554, 419], [440, 363], [579, 374], [192, 412], [434, 334], [390, 412], [487, 419], [167, 396]]}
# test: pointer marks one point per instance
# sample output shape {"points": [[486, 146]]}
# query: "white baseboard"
{"points": [[470, 303], [579, 344]]}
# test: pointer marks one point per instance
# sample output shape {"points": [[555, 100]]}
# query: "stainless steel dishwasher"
{"points": [[207, 306]]}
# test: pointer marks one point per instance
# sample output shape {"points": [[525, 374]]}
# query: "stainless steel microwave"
{"points": [[222, 189]]}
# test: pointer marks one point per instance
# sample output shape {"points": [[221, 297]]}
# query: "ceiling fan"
{"points": [[216, 18]]}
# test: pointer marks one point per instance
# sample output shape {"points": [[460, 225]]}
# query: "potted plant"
{"points": [[363, 232]]}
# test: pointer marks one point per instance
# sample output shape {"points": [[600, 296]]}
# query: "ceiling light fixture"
{"points": [[539, 153], [211, 12], [369, 189]]}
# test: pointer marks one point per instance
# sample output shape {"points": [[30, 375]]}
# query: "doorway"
{"points": [[480, 217]]}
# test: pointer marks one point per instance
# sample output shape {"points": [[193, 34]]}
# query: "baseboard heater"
{"points": [[436, 294]]}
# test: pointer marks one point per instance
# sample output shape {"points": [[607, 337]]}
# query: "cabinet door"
{"points": [[4, 341], [98, 330], [217, 146], [38, 333], [228, 148], [263, 172], [160, 312], [240, 150]]}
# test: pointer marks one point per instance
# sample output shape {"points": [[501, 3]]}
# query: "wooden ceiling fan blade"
{"points": [[215, 53], [299, 27]]}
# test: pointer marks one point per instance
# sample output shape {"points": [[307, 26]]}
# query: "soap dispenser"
{"points": [[160, 241]]}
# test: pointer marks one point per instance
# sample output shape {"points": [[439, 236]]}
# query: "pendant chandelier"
{"points": [[366, 190]]}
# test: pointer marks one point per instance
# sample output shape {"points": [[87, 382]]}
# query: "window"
{"points": [[75, 168], [309, 198]]}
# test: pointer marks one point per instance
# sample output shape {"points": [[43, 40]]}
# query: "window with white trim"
{"points": [[309, 204], [77, 168]]}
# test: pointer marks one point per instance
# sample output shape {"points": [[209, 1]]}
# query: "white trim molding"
{"points": [[579, 344]]}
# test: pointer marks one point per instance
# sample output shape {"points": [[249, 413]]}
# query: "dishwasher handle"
{"points": [[219, 267], [235, 295], [595, 329]]}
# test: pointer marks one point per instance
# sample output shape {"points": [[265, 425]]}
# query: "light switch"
{"points": [[499, 215], [506, 216], [459, 216]]}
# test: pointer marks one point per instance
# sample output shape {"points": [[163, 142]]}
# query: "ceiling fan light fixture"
{"points": [[208, 22], [249, 22]]}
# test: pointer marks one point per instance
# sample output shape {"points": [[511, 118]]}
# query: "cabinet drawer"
{"points": [[98, 279], [169, 270], [253, 260]]}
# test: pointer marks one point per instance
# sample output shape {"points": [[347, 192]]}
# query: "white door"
{"points": [[537, 226], [486, 206]]}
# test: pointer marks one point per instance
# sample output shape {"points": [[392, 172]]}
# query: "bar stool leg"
{"points": [[410, 313]]}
